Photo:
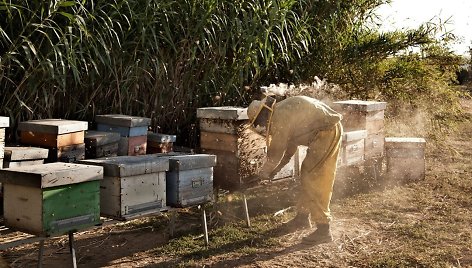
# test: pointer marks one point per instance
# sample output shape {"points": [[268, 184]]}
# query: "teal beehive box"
{"points": [[51, 199]]}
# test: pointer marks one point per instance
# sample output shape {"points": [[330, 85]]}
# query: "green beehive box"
{"points": [[51, 199]]}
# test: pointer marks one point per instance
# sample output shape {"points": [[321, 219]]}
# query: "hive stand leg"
{"points": [[40, 253], [246, 211], [173, 215], [72, 249], [205, 227]]}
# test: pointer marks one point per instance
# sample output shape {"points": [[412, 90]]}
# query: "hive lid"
{"points": [[224, 112], [53, 126], [50, 175], [125, 166], [97, 138], [193, 161], [354, 135], [361, 105], [18, 153], [123, 120], [404, 142], [159, 137], [4, 121]]}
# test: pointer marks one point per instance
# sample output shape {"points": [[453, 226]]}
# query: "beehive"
{"points": [[160, 143], [132, 185], [352, 147], [51, 199], [18, 156], [63, 138], [101, 144], [225, 132], [190, 179], [368, 116], [4, 123], [405, 158], [133, 131]]}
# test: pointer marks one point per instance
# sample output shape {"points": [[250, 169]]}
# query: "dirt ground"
{"points": [[422, 224]]}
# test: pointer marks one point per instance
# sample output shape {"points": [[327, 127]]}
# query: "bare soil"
{"points": [[419, 224]]}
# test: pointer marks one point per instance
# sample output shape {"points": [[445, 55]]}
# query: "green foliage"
{"points": [[164, 59], [160, 59]]}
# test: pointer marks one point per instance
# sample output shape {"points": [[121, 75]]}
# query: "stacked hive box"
{"points": [[190, 179], [132, 186], [352, 149], [24, 156], [101, 144], [365, 115], [160, 143], [133, 131], [4, 123], [51, 199], [63, 138], [226, 133], [405, 158]]}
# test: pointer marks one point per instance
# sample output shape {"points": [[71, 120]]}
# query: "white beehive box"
{"points": [[132, 186], [365, 115], [352, 149], [18, 156], [51, 199], [405, 158]]}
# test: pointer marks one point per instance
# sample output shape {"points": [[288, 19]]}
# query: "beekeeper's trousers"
{"points": [[318, 172]]}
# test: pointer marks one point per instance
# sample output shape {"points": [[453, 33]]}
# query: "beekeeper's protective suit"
{"points": [[305, 121]]}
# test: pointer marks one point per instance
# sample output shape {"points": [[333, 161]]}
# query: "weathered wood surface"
{"points": [[225, 112], [352, 152], [354, 135], [194, 161], [189, 187], [363, 120], [408, 148], [50, 175], [399, 142], [53, 126], [51, 140], [359, 105], [124, 131], [68, 154], [97, 138], [14, 164], [25, 204], [4, 121], [107, 150], [123, 120], [219, 141], [132, 145], [52, 211], [219, 125], [405, 169], [159, 147], [160, 138], [123, 197], [125, 166], [20, 153], [374, 145]]}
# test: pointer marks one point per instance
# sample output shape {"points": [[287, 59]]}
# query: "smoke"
{"points": [[319, 89]]}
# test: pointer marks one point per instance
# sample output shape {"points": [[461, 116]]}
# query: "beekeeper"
{"points": [[304, 121]]}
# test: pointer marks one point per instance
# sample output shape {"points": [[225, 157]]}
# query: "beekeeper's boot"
{"points": [[301, 221], [320, 236]]}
